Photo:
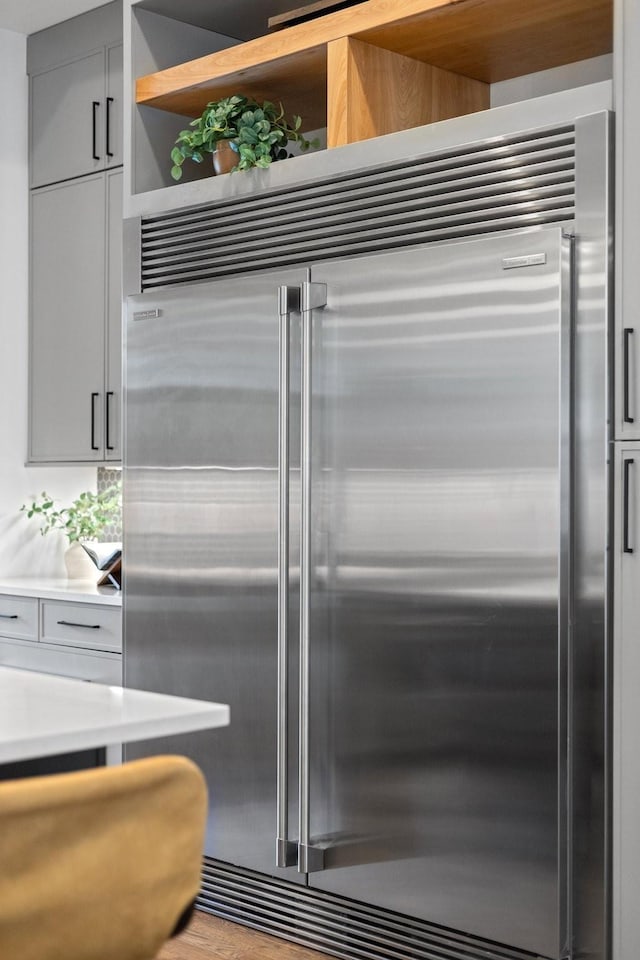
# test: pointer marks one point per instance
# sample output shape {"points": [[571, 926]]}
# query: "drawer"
{"points": [[96, 667], [82, 625], [19, 617]]}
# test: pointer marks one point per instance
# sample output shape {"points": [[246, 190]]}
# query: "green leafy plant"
{"points": [[258, 132], [84, 519]]}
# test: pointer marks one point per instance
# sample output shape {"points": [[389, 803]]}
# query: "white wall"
{"points": [[23, 552]]}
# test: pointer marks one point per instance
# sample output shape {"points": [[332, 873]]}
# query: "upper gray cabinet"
{"points": [[76, 304], [76, 239], [68, 244], [627, 238], [76, 117]]}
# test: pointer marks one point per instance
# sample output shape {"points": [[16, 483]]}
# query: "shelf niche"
{"points": [[380, 67]]}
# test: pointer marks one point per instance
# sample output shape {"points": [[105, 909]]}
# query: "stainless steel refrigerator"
{"points": [[353, 497]]}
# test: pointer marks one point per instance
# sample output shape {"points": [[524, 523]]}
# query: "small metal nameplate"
{"points": [[146, 314], [531, 260]]}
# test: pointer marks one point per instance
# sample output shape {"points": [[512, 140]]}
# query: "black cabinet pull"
{"points": [[107, 422], [94, 445], [628, 332], [108, 137], [96, 104], [8, 616], [87, 626], [625, 507]]}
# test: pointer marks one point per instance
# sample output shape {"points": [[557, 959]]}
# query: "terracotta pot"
{"points": [[79, 564], [225, 157]]}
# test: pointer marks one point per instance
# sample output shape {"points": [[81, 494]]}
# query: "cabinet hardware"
{"points": [[110, 100], [96, 104], [70, 623], [94, 445], [108, 445], [626, 547], [628, 332], [8, 616]]}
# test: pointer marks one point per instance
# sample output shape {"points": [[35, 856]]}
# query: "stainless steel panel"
{"points": [[439, 696], [592, 576], [201, 540]]}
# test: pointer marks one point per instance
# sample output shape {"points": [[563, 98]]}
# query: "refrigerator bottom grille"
{"points": [[334, 925]]}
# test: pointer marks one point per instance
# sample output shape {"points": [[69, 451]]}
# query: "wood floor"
{"points": [[208, 938]]}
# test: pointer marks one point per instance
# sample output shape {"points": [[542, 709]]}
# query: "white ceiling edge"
{"points": [[29, 16]]}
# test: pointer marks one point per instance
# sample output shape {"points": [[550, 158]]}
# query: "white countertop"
{"points": [[41, 715], [52, 589]]}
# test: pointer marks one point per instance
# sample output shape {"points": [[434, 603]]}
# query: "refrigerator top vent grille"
{"points": [[499, 184]]}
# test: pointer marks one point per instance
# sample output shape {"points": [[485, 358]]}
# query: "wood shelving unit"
{"points": [[388, 65]]}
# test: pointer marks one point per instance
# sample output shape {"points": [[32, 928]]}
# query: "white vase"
{"points": [[78, 563]]}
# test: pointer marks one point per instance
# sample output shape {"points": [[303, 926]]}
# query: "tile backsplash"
{"points": [[106, 478]]}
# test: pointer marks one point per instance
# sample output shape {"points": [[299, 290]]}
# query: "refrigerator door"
{"points": [[439, 554], [201, 537]]}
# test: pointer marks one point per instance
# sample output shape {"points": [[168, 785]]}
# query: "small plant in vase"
{"points": [[83, 521], [253, 135]]}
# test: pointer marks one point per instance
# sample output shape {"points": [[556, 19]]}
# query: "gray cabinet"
{"points": [[75, 347], [626, 654], [68, 638], [113, 317], [76, 117], [627, 294], [626, 660]]}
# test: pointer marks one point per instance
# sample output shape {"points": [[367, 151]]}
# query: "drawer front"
{"points": [[19, 617], [99, 668], [82, 625]]}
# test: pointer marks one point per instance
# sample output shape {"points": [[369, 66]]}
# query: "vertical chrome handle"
{"points": [[286, 849], [313, 296], [628, 333], [626, 540]]}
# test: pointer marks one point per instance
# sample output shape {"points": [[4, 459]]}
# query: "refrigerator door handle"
{"points": [[286, 849], [313, 296]]}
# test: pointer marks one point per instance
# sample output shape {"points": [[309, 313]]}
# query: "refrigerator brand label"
{"points": [[531, 260], [146, 314]]}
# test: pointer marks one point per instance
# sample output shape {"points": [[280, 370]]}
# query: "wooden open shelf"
{"points": [[387, 65]]}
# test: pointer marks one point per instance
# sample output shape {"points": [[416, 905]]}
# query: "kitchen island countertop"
{"points": [[42, 715]]}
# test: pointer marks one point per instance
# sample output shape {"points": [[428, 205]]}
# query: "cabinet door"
{"points": [[114, 123], [67, 321], [67, 120], [113, 372], [626, 659], [627, 239]]}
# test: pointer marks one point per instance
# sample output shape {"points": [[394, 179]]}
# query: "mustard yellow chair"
{"points": [[100, 864]]}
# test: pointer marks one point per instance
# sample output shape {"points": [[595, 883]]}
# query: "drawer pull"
{"points": [[87, 626], [8, 616]]}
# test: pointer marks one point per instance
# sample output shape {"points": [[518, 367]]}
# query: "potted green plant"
{"points": [[252, 134], [82, 521]]}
